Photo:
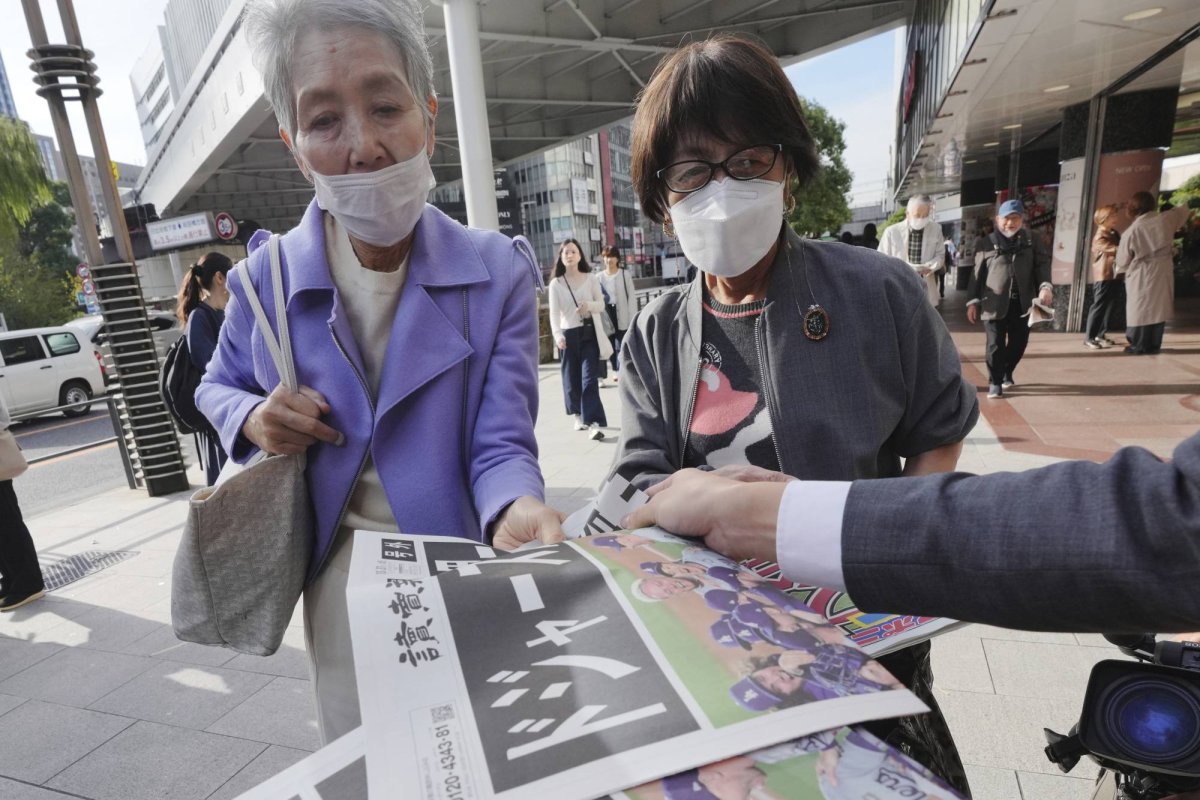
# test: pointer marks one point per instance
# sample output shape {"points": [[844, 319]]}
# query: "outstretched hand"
{"points": [[733, 517]]}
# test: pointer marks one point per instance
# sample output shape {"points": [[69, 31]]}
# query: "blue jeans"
{"points": [[616, 340], [580, 375]]}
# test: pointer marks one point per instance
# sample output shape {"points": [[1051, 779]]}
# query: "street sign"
{"points": [[93, 307], [83, 272], [167, 234], [89, 288], [225, 226], [79, 299]]}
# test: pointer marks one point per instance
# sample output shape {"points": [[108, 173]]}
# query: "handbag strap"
{"points": [[281, 348]]}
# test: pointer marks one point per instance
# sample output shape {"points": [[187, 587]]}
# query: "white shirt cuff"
{"points": [[808, 543], [972, 302]]}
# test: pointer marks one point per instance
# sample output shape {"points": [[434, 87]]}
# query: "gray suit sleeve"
{"points": [[1076, 546]]}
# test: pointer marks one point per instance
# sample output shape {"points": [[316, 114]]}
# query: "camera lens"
{"points": [[1153, 720]]}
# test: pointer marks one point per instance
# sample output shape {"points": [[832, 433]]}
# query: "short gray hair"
{"points": [[918, 200], [273, 26]]}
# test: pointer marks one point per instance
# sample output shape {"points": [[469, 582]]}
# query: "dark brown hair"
{"points": [[560, 268], [200, 276], [1141, 203], [614, 251], [729, 87]]}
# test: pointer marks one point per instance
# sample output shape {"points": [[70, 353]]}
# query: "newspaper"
{"points": [[849, 764], [876, 634], [580, 669]]}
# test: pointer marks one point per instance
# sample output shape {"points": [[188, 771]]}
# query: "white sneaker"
{"points": [[579, 426], [596, 434]]}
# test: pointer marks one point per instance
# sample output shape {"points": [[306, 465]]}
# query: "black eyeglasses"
{"points": [[744, 165]]}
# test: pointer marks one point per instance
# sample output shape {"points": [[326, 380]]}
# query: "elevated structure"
{"points": [[552, 70]]}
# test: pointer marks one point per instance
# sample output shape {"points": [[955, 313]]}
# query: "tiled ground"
{"points": [[98, 700]]}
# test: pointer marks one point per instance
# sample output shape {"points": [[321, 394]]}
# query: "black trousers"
{"points": [[1006, 341], [1106, 296], [1146, 339], [581, 374], [19, 570]]}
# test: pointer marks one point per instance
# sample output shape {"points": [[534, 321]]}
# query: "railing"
{"points": [[110, 400]]}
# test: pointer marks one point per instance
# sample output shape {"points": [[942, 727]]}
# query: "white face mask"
{"points": [[380, 207], [728, 226], [919, 223]]}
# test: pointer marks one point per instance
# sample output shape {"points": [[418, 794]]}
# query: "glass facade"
{"points": [[939, 34]]}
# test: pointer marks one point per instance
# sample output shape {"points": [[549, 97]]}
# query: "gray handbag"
{"points": [[245, 550]]}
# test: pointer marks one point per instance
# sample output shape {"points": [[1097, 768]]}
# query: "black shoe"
{"points": [[17, 599], [1133, 351]]}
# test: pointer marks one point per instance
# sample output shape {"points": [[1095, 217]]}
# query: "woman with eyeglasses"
{"points": [[808, 359]]}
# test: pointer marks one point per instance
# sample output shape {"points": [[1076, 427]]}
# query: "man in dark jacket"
{"points": [[1010, 273]]}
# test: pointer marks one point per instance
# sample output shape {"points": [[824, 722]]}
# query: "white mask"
{"points": [[380, 207], [919, 223], [727, 227]]}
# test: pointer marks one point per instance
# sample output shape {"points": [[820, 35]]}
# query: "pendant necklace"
{"points": [[815, 321]]}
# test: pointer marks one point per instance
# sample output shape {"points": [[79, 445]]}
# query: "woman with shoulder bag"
{"points": [[415, 349], [201, 310], [618, 285], [576, 303], [20, 576]]}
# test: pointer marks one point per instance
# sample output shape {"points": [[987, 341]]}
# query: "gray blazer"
{"points": [[885, 383], [1076, 546], [991, 283]]}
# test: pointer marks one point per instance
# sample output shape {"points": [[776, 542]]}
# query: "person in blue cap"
{"points": [[1011, 272], [736, 778]]}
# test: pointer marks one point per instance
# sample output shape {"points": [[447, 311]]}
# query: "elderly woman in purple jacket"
{"points": [[415, 338]]}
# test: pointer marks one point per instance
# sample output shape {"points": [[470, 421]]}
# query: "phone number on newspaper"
{"points": [[445, 772]]}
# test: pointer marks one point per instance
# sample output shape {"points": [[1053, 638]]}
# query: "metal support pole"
{"points": [[470, 112], [1097, 110], [80, 199], [151, 450]]}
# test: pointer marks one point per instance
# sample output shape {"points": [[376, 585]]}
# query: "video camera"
{"points": [[1140, 720]]}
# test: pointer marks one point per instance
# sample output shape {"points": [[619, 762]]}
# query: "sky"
{"points": [[854, 83], [118, 31]]}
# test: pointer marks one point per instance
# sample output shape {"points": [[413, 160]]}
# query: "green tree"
{"points": [[893, 218], [821, 205], [46, 237], [32, 296], [23, 184], [1187, 190]]}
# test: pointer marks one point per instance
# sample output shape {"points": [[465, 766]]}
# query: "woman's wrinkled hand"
{"points": [[287, 423], [528, 519]]}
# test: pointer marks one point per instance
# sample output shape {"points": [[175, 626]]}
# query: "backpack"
{"points": [[177, 384]]}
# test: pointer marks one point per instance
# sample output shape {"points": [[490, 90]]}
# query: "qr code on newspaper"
{"points": [[442, 713]]}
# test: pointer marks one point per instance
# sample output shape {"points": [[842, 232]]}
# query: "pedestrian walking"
{"points": [[576, 303], [201, 310], [870, 237], [917, 241], [20, 576], [1108, 289], [1145, 258], [413, 336], [622, 302], [1011, 271]]}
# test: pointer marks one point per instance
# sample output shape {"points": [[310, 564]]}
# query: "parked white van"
{"points": [[43, 368]]}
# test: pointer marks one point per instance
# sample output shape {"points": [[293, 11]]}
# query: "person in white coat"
{"points": [[918, 242], [622, 301], [576, 303], [1144, 258]]}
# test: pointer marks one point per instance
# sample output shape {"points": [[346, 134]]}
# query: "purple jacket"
{"points": [[414, 430]]}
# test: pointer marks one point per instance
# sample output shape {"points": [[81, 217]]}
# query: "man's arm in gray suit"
{"points": [[1075, 546]]}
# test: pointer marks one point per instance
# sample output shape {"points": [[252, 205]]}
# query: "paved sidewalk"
{"points": [[98, 700]]}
